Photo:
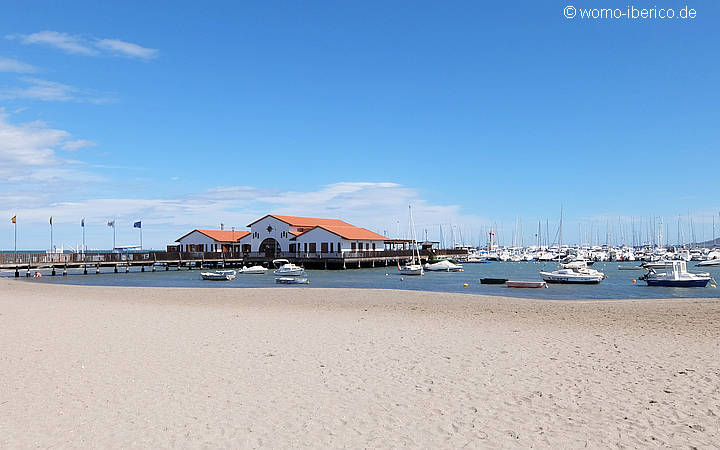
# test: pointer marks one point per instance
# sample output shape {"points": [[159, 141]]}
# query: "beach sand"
{"points": [[299, 367]]}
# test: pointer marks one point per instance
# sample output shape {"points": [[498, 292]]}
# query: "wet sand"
{"points": [[298, 367]]}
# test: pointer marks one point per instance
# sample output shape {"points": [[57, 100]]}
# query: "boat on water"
{"points": [[292, 280], [525, 284], [218, 275], [289, 270], [412, 267], [656, 264], [709, 263], [631, 268], [575, 272], [676, 275], [443, 266], [254, 270], [493, 280]]}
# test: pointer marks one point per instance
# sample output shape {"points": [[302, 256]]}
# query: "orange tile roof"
{"points": [[350, 232], [295, 221], [221, 235]]}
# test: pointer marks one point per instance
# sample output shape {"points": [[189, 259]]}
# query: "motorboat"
{"points": [[289, 270], [676, 275], [218, 275], [575, 272], [259, 270], [525, 284], [709, 262], [292, 280], [631, 268], [443, 266], [656, 264], [277, 263]]}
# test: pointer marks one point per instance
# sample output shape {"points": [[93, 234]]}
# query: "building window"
{"points": [[305, 247], [352, 246], [360, 246], [339, 249], [373, 246], [292, 248], [313, 248], [324, 247], [331, 247]]}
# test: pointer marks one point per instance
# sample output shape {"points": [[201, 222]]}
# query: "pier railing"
{"points": [[27, 258]]}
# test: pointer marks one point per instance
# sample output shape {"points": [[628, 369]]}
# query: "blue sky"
{"points": [[185, 115]]}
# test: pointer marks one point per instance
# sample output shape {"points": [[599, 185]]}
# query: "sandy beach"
{"points": [[298, 367]]}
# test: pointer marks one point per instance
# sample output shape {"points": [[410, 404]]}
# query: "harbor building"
{"points": [[275, 234], [224, 241]]}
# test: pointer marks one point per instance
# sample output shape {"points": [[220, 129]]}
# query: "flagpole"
{"points": [[83, 227], [15, 223], [113, 249], [51, 238], [141, 246]]}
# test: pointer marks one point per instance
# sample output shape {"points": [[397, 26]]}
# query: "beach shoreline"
{"points": [[280, 367]]}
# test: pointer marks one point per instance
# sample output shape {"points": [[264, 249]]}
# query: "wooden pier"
{"points": [[28, 263]]}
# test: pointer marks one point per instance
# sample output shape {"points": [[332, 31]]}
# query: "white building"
{"points": [[310, 235], [215, 241], [274, 234]]}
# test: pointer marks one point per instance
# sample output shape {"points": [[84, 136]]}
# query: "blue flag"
{"points": [[82, 222], [137, 225]]}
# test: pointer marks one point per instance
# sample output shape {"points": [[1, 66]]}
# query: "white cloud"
{"points": [[51, 91], [377, 206], [13, 65], [89, 46], [126, 49], [66, 42], [27, 154], [78, 144]]}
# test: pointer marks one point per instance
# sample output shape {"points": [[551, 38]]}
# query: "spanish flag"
{"points": [[14, 219]]}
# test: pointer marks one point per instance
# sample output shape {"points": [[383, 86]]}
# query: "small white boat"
{"points": [[277, 263], [290, 270], [218, 275], [259, 270], [411, 269], [575, 272], [709, 262], [443, 266], [292, 280]]}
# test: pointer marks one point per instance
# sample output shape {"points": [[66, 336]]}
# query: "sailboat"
{"points": [[412, 268], [572, 272]]}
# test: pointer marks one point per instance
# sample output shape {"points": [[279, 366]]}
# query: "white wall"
{"points": [[319, 235], [280, 232], [197, 238]]}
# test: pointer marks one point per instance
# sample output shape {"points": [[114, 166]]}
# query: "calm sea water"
{"points": [[618, 285]]}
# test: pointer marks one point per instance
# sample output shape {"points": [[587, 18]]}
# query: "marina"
{"points": [[618, 284]]}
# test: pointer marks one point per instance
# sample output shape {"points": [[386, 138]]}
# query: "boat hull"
{"points": [[526, 284], [493, 280], [678, 283], [574, 279]]}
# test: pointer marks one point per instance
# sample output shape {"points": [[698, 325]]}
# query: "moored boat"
{"points": [[443, 266], [292, 280], [256, 270], [218, 275], [525, 284], [575, 272], [676, 275], [290, 270], [493, 280]]}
